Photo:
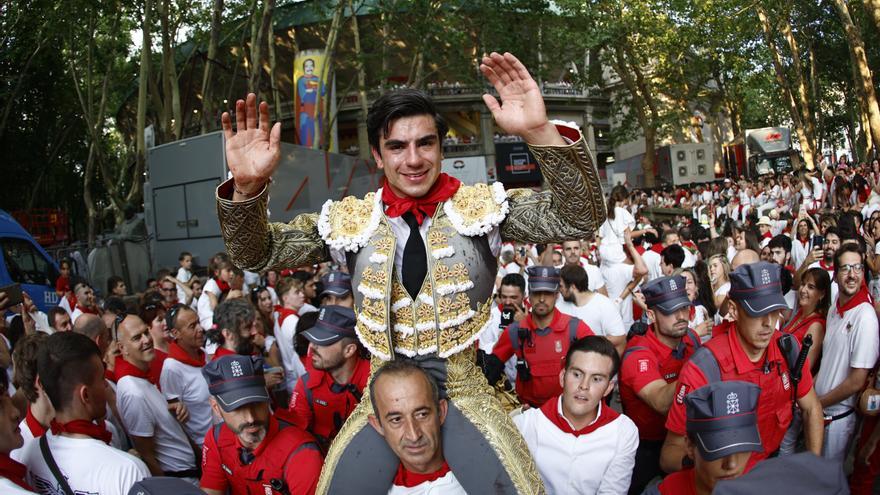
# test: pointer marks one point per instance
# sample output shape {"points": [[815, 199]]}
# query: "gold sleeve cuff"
{"points": [[573, 208], [254, 244]]}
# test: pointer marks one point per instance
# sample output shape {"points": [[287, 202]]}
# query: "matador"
{"points": [[422, 253]]}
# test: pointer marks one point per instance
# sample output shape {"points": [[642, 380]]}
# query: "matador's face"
{"points": [[410, 155]]}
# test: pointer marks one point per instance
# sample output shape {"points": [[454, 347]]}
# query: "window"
{"points": [[25, 264]]}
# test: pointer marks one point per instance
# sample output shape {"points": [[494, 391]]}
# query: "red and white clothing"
{"points": [[828, 267], [851, 341], [12, 477], [206, 313], [79, 311], [599, 313], [678, 483], [293, 367], [598, 458], [440, 482], [182, 379], [90, 466]]}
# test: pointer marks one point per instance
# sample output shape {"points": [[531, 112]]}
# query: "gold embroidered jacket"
{"points": [[453, 304]]}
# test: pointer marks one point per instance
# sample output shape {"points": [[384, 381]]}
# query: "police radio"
{"points": [[522, 366]]}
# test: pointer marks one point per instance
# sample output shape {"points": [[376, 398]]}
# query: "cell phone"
{"points": [[13, 295], [507, 316], [522, 252], [818, 241]]}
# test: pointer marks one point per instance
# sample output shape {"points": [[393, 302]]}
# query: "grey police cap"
{"points": [[803, 474], [721, 418]]}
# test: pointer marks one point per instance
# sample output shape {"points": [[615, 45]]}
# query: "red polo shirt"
{"points": [[544, 356], [679, 483], [287, 454], [647, 360], [317, 408], [770, 373]]}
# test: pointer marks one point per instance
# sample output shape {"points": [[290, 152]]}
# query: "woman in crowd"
{"points": [[699, 319], [814, 299], [152, 312], [719, 271], [261, 299], [803, 238]]}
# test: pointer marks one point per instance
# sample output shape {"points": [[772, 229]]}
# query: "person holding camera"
{"points": [[540, 341]]}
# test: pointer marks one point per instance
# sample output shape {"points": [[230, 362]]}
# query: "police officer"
{"points": [[722, 433], [337, 290], [750, 352], [539, 341], [650, 367], [326, 395], [249, 452]]}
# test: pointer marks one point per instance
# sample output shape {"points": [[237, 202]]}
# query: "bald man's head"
{"points": [[93, 327], [744, 257]]}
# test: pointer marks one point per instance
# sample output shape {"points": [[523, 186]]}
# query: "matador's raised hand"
{"points": [[521, 110], [252, 152]]}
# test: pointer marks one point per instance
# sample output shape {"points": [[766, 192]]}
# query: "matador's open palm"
{"points": [[521, 110], [252, 151]]}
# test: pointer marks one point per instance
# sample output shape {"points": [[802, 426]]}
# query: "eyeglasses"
{"points": [[172, 314], [854, 268]]}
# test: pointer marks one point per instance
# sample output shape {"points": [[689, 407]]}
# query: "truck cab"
{"points": [[23, 261]]}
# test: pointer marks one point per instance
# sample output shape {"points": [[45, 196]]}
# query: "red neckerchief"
{"points": [[177, 352], [657, 247], [827, 268], [767, 235], [71, 300], [86, 310], [37, 429], [408, 479], [442, 189], [550, 409], [13, 471], [692, 312], [283, 313], [82, 427], [109, 375], [862, 296], [220, 352], [223, 286], [123, 368]]}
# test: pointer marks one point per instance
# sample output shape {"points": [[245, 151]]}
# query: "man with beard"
{"points": [[539, 341], [153, 423], [649, 373], [249, 452], [849, 351], [236, 325], [749, 352], [85, 301], [328, 393], [822, 257], [572, 250]]}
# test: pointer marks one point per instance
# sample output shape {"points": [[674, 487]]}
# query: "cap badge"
{"points": [[544, 273], [732, 403], [331, 277], [321, 314], [558, 346], [765, 276], [236, 369], [672, 285]]}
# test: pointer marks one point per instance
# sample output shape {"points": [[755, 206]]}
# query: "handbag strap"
{"points": [[53, 466]]}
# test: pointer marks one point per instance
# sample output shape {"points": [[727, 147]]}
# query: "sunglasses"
{"points": [[116, 322]]}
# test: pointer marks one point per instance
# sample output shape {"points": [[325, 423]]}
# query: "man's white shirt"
{"points": [[599, 313], [186, 383], [89, 465]]}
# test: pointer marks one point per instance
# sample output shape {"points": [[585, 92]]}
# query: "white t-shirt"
{"points": [[145, 413], [7, 487], [293, 367], [851, 341], [612, 234], [652, 260], [595, 280], [599, 462], [185, 382], [89, 465], [617, 277], [206, 313], [600, 314], [183, 275]]}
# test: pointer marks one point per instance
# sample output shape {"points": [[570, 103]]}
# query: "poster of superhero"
{"points": [[309, 95]]}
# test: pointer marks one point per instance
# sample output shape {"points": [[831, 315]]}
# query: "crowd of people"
{"points": [[441, 338]]}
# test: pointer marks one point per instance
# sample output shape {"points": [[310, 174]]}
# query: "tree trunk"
{"points": [[784, 86], [91, 211], [802, 100], [263, 29], [327, 68], [134, 194], [273, 64], [640, 105], [208, 117], [860, 61], [363, 137], [170, 88]]}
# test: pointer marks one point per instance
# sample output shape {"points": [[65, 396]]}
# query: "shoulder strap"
{"points": [[630, 350], [513, 333], [695, 339], [308, 390], [572, 328], [216, 432], [790, 348], [302, 446], [53, 466], [708, 364]]}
